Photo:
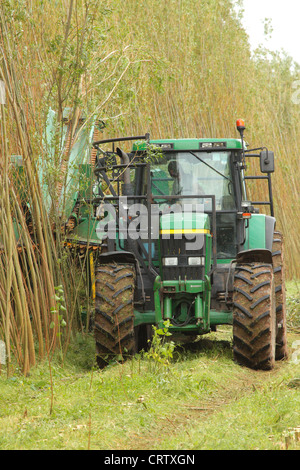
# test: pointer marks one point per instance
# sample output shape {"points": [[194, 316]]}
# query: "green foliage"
{"points": [[160, 351]]}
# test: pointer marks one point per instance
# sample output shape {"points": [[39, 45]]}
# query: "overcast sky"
{"points": [[285, 16]]}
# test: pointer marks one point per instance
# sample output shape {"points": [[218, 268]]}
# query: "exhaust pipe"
{"points": [[127, 189]]}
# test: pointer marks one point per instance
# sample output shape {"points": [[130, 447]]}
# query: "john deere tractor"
{"points": [[176, 239]]}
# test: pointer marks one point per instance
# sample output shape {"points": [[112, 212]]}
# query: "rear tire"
{"points": [[114, 318], [279, 276], [254, 317]]}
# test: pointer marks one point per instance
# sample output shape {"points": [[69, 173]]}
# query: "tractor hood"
{"points": [[184, 222]]}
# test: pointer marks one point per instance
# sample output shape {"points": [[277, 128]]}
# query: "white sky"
{"points": [[285, 16]]}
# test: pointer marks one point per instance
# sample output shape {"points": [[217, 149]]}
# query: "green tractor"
{"points": [[175, 239]]}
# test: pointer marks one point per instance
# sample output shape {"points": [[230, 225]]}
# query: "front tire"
{"points": [[114, 318], [254, 316]]}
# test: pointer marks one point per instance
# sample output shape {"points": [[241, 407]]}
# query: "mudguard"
{"points": [[117, 256], [256, 255]]}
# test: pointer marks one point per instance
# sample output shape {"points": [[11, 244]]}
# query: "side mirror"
{"points": [[266, 161]]}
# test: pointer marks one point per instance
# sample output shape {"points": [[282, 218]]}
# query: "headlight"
{"points": [[196, 260], [170, 261]]}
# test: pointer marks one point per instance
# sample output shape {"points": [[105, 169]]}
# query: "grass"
{"points": [[202, 401]]}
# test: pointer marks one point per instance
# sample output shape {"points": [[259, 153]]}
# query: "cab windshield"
{"points": [[194, 173]]}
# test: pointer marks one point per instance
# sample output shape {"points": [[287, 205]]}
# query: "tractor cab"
{"points": [[189, 179]]}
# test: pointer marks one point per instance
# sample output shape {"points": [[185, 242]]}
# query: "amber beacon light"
{"points": [[240, 125]]}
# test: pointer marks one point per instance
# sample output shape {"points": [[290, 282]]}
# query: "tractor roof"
{"points": [[190, 144]]}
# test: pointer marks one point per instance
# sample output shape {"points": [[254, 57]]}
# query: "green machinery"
{"points": [[172, 236], [177, 239]]}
